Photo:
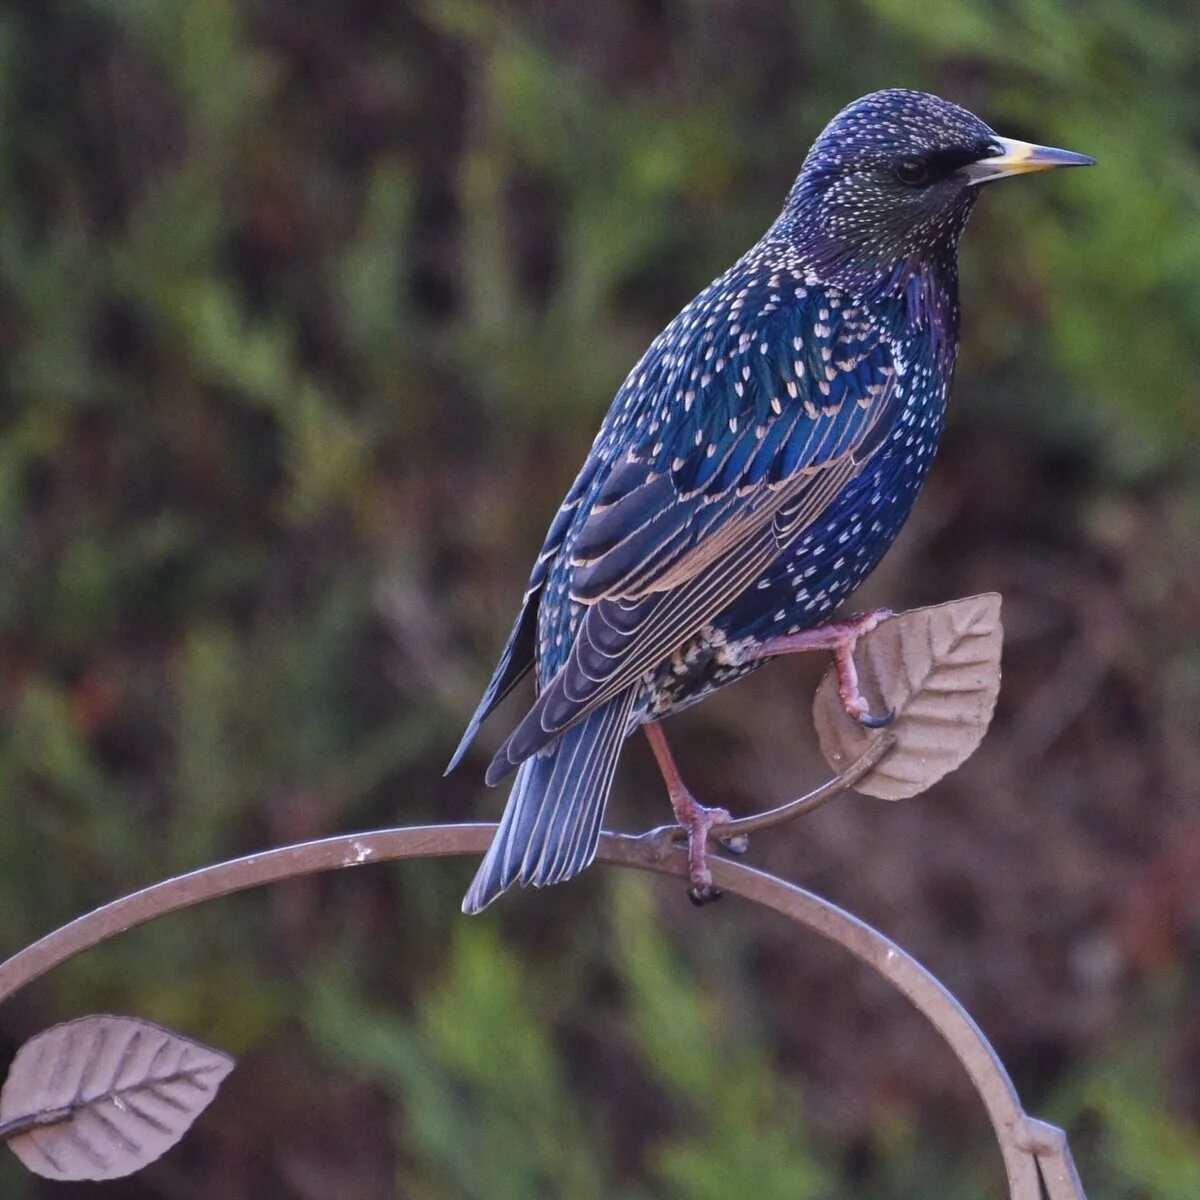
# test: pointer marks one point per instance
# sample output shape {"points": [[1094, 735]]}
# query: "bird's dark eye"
{"points": [[912, 171]]}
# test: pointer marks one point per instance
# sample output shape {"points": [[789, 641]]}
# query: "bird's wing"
{"points": [[679, 529], [518, 655]]}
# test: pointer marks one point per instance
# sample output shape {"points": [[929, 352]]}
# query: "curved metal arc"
{"points": [[876, 751], [923, 990], [235, 875], [656, 854]]}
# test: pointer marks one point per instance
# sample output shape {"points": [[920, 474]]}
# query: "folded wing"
{"points": [[682, 526]]}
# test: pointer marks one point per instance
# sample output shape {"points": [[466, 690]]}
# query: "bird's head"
{"points": [[890, 182]]}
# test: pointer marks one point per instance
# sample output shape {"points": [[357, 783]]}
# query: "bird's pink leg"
{"points": [[695, 818], [841, 637]]}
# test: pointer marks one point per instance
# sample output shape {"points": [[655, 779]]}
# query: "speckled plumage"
{"points": [[754, 467]]}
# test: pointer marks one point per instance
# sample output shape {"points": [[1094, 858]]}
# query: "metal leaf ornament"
{"points": [[938, 670], [103, 1096]]}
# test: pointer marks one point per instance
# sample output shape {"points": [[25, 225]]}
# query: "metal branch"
{"points": [[740, 828], [1055, 1162], [1024, 1143], [870, 759]]}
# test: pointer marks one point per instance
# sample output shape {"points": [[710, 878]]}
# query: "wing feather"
{"points": [[709, 488], [517, 658], [618, 639]]}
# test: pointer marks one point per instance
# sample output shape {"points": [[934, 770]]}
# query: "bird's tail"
{"points": [[551, 824]]}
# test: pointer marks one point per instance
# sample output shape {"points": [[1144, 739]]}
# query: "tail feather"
{"points": [[551, 824]]}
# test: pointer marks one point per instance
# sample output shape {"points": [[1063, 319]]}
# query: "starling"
{"points": [[753, 469]]}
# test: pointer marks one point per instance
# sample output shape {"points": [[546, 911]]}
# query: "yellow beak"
{"points": [[1020, 158]]}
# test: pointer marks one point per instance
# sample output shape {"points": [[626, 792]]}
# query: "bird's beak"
{"points": [[1019, 158]]}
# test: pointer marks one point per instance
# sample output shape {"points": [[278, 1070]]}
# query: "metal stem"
{"points": [[1024, 1143], [874, 754]]}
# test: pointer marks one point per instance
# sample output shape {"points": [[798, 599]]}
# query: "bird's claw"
{"points": [[842, 638], [857, 708], [698, 822], [854, 702], [880, 721]]}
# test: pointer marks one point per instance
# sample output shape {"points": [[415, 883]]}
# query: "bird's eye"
{"points": [[912, 171]]}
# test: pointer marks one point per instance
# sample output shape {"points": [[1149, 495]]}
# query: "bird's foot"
{"points": [[847, 634], [698, 821], [840, 637], [694, 819]]}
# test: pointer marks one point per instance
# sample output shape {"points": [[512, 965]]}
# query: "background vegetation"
{"points": [[307, 315]]}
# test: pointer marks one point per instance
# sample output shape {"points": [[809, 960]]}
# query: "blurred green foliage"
{"points": [[486, 1092], [307, 313]]}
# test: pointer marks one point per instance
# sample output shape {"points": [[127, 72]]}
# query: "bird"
{"points": [[753, 468]]}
